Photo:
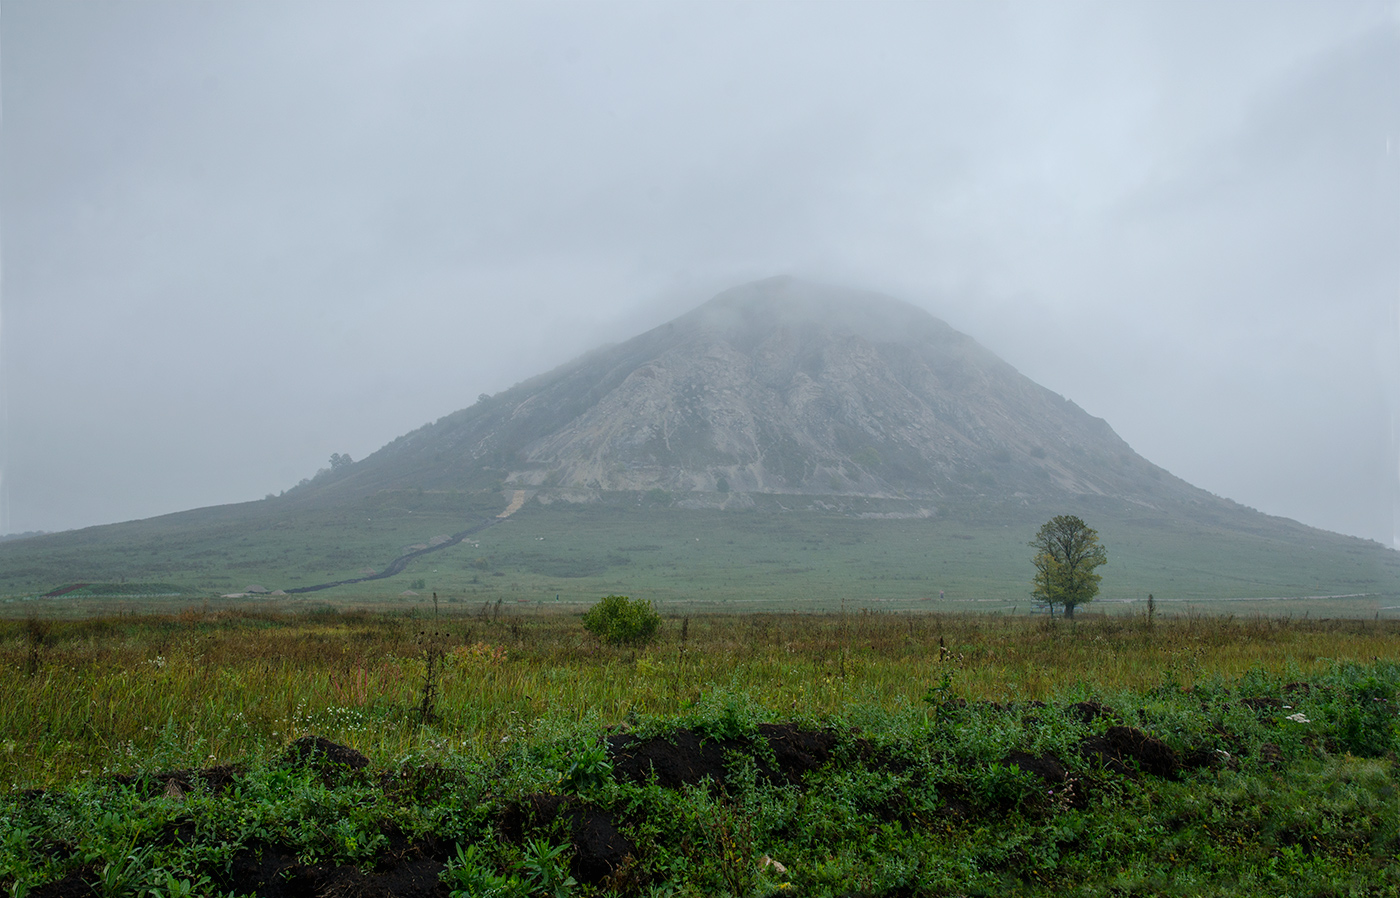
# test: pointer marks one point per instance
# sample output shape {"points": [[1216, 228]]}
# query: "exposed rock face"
{"points": [[782, 387]]}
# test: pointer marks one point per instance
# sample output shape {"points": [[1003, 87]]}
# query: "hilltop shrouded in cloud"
{"points": [[239, 238], [778, 386]]}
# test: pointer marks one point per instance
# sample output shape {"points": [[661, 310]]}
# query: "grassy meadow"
{"points": [[851, 700], [136, 693], [866, 752]]}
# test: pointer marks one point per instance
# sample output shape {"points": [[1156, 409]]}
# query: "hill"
{"points": [[855, 445], [778, 387]]}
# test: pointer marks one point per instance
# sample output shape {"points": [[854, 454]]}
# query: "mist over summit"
{"points": [[778, 386]]}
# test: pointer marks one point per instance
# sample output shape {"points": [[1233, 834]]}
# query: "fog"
{"points": [[239, 237]]}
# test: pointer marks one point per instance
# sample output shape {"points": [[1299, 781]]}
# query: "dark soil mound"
{"points": [[217, 779], [682, 758], [686, 757], [531, 812], [1219, 748], [1061, 787], [175, 783], [600, 851], [314, 751], [74, 885], [325, 757], [1088, 712], [1047, 767], [1123, 748], [409, 879], [957, 803], [178, 831], [272, 871], [1204, 756], [798, 751], [268, 871], [1303, 688]]}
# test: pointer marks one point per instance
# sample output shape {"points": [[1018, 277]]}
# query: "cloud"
{"points": [[241, 237]]}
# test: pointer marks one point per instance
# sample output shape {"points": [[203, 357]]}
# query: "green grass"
{"points": [[917, 799], [782, 554], [127, 694]]}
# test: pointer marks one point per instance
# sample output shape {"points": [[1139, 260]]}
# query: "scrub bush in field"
{"points": [[618, 620]]}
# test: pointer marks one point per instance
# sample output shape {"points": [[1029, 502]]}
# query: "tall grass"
{"points": [[136, 694]]}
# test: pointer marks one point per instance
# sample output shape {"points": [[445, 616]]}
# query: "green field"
{"points": [[783, 553], [871, 753], [858, 690]]}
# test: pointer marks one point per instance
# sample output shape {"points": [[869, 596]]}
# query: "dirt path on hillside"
{"points": [[517, 499], [396, 566]]}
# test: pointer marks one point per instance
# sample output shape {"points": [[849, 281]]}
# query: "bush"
{"points": [[618, 620]]}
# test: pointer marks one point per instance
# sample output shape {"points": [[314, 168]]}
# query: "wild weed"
{"points": [[470, 875], [590, 768], [38, 633], [547, 869]]}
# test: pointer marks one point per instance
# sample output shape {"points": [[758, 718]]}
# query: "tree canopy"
{"points": [[1067, 552]]}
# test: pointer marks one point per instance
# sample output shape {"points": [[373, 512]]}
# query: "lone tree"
{"points": [[1067, 551]]}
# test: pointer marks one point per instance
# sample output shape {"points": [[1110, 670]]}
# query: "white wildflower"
{"points": [[1298, 718]]}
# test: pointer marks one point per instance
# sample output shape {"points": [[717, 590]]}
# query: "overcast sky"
{"points": [[240, 236]]}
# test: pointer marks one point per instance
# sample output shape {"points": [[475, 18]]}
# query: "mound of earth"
{"points": [[687, 757], [273, 871], [175, 783], [331, 762], [1125, 750], [601, 853]]}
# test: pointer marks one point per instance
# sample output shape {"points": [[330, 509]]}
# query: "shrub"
{"points": [[618, 620]]}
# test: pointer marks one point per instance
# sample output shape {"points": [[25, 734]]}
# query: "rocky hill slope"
{"points": [[779, 386]]}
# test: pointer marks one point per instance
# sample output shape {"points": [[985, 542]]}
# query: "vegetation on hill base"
{"points": [[813, 755], [783, 553]]}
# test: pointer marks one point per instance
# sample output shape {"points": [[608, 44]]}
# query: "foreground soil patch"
{"points": [[601, 851], [273, 871], [687, 757], [1125, 750]]}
